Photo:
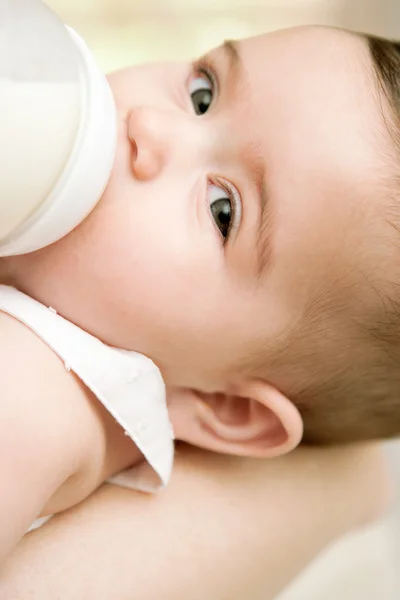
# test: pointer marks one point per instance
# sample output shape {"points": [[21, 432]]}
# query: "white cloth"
{"points": [[128, 384]]}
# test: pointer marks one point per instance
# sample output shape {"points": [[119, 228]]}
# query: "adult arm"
{"points": [[225, 529]]}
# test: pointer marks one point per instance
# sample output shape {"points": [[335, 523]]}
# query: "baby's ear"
{"points": [[255, 420]]}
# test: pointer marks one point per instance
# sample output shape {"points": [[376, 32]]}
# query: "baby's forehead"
{"points": [[314, 112], [314, 93], [310, 53], [300, 40], [311, 92]]}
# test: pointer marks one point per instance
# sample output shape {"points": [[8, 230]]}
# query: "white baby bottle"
{"points": [[57, 128]]}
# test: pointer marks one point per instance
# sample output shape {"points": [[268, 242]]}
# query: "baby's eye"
{"points": [[223, 208], [201, 91]]}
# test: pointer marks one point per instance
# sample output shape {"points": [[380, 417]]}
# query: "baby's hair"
{"points": [[385, 56]]}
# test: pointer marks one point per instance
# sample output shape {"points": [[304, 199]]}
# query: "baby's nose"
{"points": [[149, 138]]}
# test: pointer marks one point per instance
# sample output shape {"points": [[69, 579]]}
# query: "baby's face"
{"points": [[241, 184]]}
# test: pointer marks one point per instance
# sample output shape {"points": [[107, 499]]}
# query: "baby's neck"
{"points": [[6, 277], [15, 270]]}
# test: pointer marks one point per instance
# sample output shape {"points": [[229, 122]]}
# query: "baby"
{"points": [[247, 243]]}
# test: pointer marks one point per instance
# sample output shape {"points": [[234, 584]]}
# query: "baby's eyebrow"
{"points": [[264, 234], [257, 169], [236, 71], [231, 48], [237, 76]]}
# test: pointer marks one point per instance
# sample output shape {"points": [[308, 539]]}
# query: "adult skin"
{"points": [[225, 528]]}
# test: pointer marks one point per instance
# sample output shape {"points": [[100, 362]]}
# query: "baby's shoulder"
{"points": [[50, 416], [45, 410], [35, 379], [46, 426], [36, 391], [27, 363], [20, 346]]}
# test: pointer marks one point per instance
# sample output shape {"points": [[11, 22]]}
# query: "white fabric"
{"points": [[128, 384]]}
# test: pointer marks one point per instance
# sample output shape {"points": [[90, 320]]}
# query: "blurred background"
{"points": [[364, 566], [122, 32]]}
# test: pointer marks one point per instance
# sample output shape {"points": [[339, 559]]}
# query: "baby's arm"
{"points": [[54, 435]]}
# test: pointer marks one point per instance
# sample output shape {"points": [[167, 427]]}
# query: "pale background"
{"points": [[365, 566]]}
